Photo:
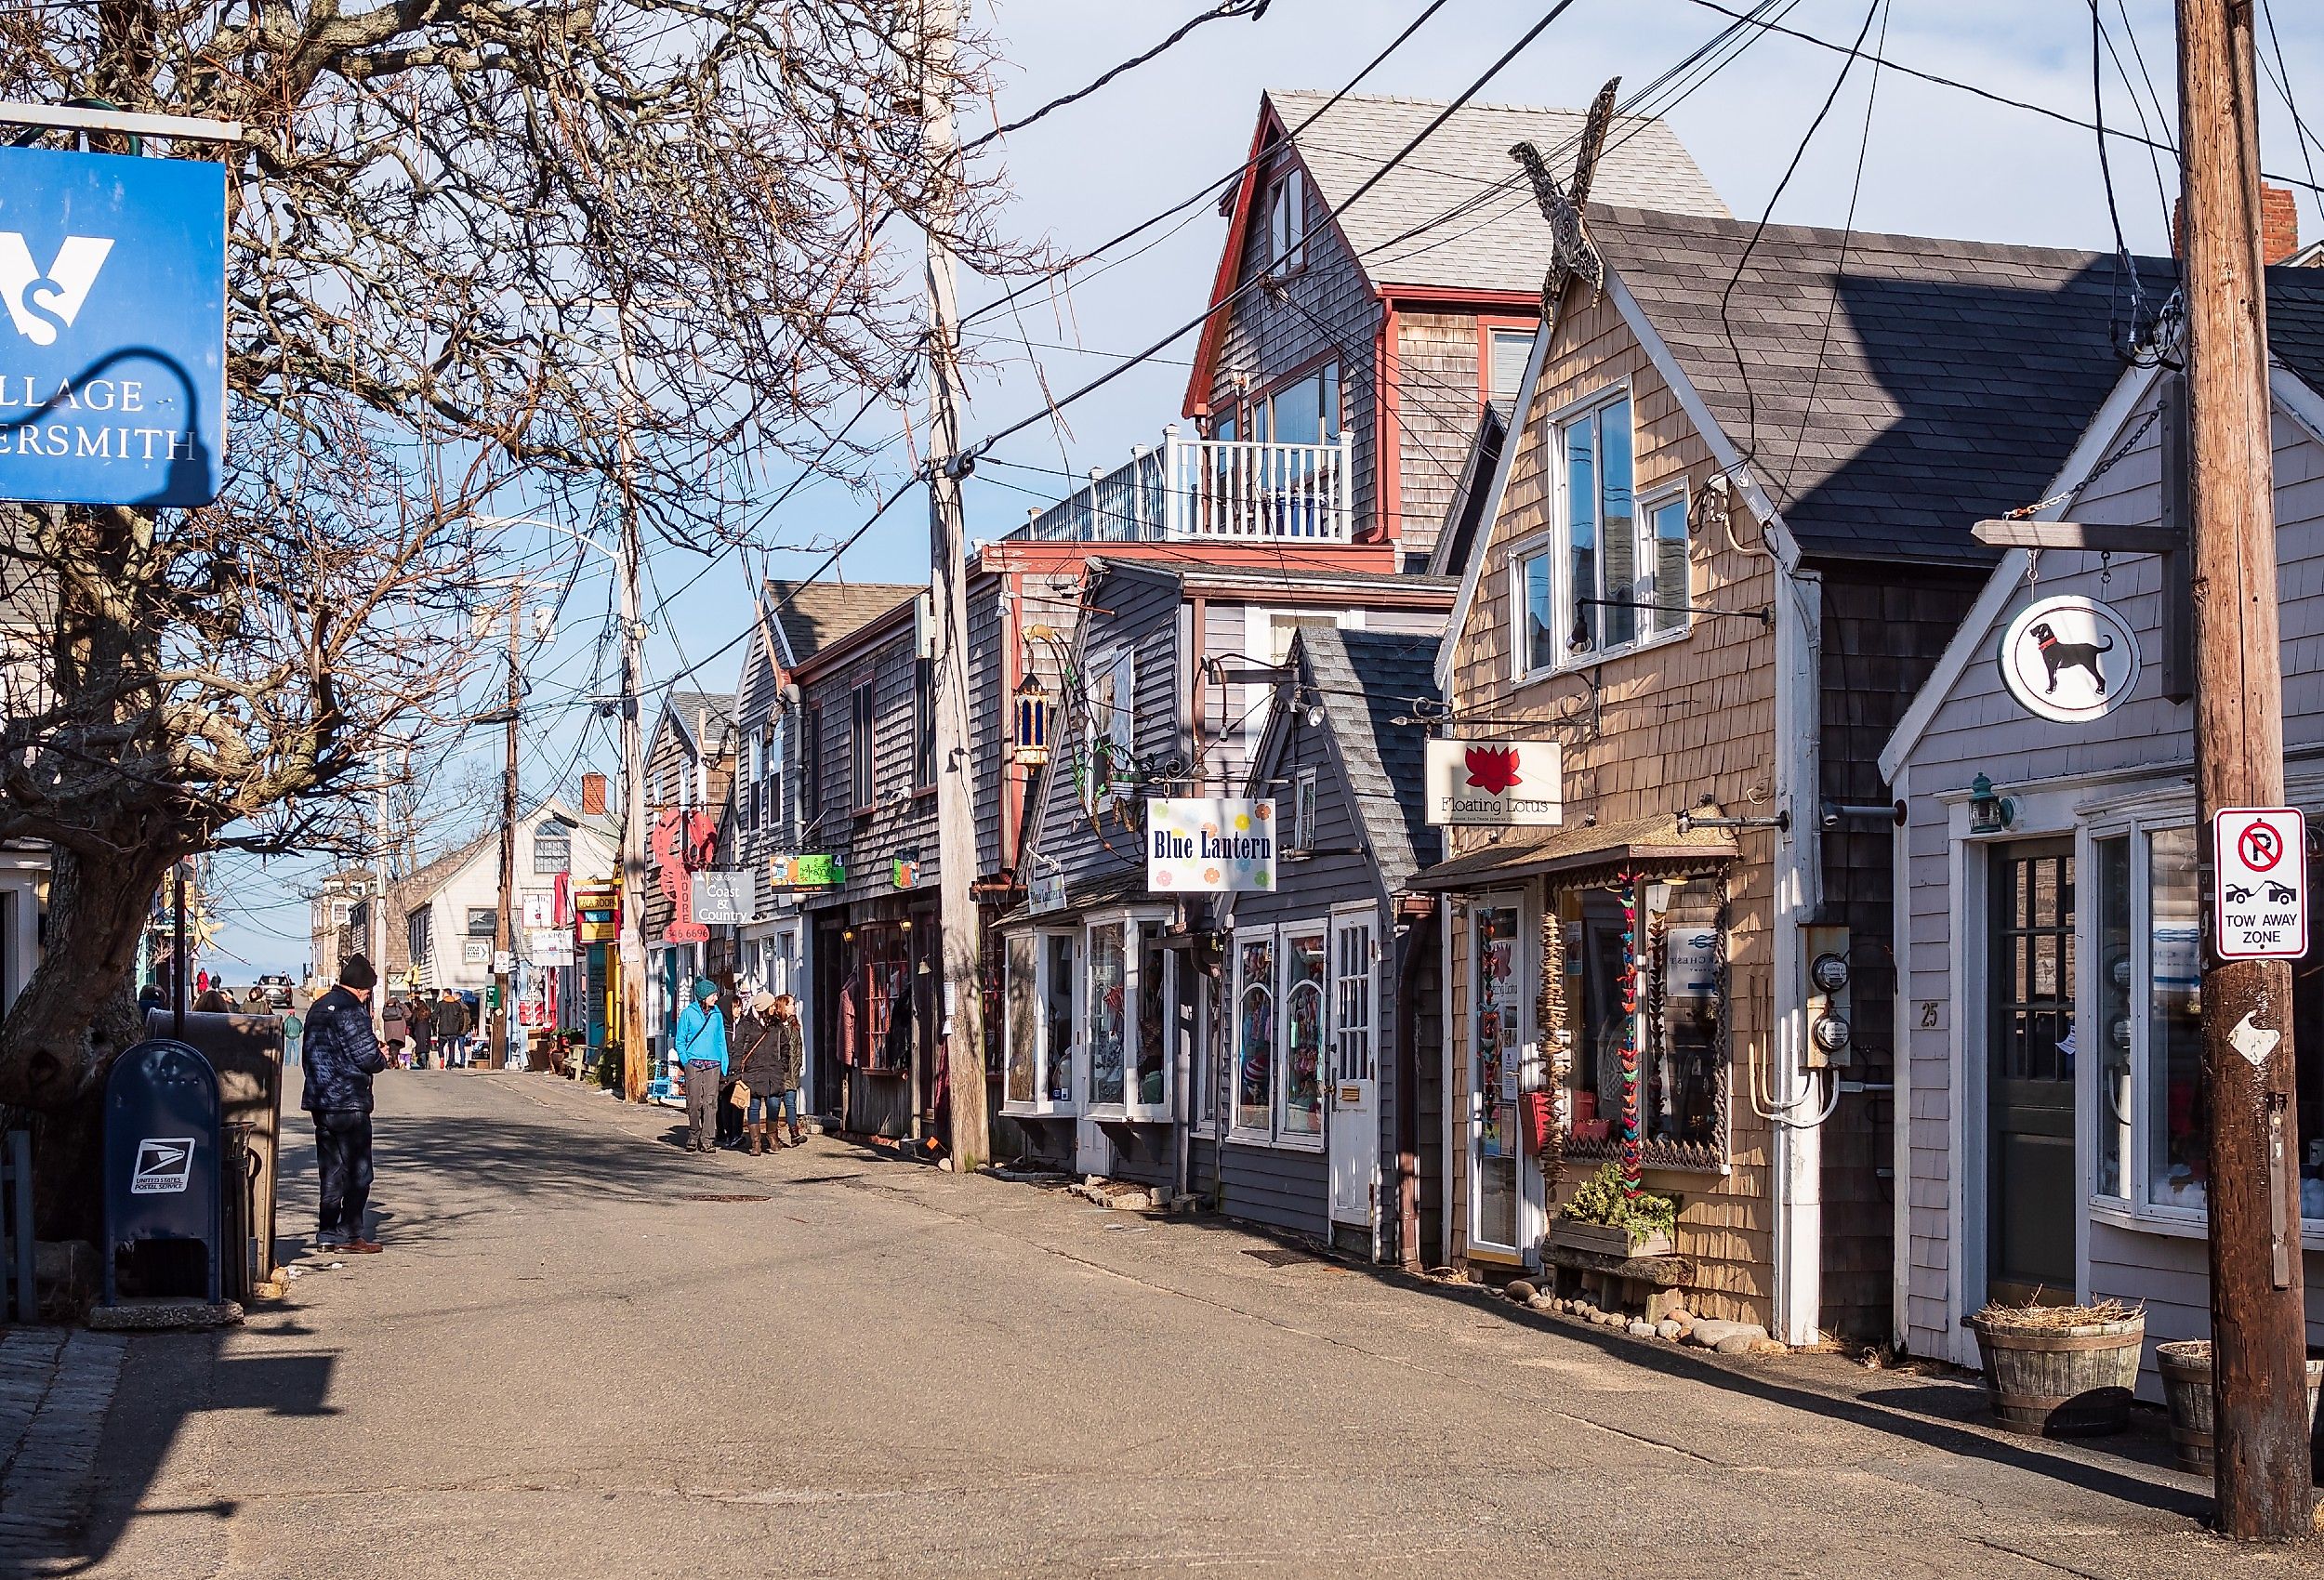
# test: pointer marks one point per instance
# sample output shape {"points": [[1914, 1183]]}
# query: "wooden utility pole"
{"points": [[504, 921], [960, 1014], [631, 952], [2258, 1339]]}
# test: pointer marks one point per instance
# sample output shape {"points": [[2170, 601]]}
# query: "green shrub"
{"points": [[1602, 1200]]}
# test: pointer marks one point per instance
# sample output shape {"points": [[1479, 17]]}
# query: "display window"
{"points": [[1041, 1056], [1282, 1028], [1128, 1012]]}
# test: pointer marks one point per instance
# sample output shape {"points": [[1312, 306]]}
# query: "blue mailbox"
{"points": [[163, 1178]]}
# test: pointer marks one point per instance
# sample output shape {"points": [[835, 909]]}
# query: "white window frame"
{"points": [[1345, 919], [1259, 631], [1044, 1056], [1126, 924], [1558, 539], [1522, 341], [1538, 545], [1304, 813], [1231, 1119], [1119, 730]]}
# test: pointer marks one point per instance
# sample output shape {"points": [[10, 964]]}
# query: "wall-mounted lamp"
{"points": [[1988, 814], [1035, 708]]}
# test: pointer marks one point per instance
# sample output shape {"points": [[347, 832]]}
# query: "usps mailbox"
{"points": [[162, 1167]]}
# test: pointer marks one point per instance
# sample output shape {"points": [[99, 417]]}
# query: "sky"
{"points": [[1935, 161]]}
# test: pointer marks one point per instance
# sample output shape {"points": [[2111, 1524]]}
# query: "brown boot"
{"points": [[754, 1132], [797, 1140]]}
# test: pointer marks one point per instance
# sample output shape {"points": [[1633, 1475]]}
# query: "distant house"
{"points": [[688, 773]]}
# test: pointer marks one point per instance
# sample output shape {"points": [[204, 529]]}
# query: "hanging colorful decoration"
{"points": [[1549, 1015], [1632, 1139]]}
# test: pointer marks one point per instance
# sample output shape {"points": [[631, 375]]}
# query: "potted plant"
{"points": [[1603, 1217], [2184, 1367], [2061, 1371]]}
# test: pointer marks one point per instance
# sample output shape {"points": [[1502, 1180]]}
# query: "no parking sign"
{"points": [[2261, 909]]}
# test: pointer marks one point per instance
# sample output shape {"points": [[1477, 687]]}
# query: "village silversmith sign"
{"points": [[1210, 844], [1496, 784], [2069, 659]]}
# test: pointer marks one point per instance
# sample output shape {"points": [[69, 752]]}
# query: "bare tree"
{"points": [[447, 222]]}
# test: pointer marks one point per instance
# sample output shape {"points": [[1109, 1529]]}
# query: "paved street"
{"points": [[574, 1360]]}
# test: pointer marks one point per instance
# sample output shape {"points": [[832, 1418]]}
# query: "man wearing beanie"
{"points": [[341, 1057], [699, 1049]]}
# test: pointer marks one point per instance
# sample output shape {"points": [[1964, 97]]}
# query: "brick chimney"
{"points": [[592, 794], [2280, 225]]}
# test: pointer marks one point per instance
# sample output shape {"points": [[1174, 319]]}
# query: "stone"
{"points": [[1607, 1319], [1737, 1344], [1770, 1347], [1666, 1329], [1642, 1330], [1518, 1289], [1709, 1334]]}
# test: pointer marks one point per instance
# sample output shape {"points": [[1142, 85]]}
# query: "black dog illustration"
{"points": [[2057, 655]]}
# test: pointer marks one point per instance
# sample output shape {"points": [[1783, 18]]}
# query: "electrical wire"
{"points": [[1225, 10]]}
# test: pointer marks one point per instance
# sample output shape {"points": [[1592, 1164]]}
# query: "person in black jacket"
{"points": [[341, 1057]]}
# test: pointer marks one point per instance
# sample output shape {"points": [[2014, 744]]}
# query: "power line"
{"points": [[1226, 9]]}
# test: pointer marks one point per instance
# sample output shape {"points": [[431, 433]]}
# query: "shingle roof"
{"points": [[1364, 681], [2295, 322], [691, 706], [1503, 245], [815, 614], [1956, 380]]}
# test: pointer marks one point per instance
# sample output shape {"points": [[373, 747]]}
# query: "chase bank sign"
{"points": [[113, 345]]}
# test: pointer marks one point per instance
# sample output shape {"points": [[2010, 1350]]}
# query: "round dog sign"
{"points": [[2070, 659]]}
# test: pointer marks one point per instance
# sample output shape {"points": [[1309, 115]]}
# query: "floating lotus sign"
{"points": [[1499, 783]]}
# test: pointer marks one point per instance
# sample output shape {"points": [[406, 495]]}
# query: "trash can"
{"points": [[163, 1175]]}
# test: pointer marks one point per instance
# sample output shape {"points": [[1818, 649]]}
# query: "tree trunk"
{"points": [[75, 1013]]}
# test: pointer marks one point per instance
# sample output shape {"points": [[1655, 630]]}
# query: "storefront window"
{"points": [[2112, 1027], [1109, 1011], [2178, 1162], [1024, 1052], [1679, 1014], [1153, 1018], [1057, 1018], [1493, 1062], [1303, 971], [1254, 1033]]}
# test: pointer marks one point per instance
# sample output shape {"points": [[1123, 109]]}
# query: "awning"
{"points": [[1652, 847]]}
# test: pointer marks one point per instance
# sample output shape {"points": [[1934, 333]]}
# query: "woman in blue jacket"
{"points": [[699, 1049]]}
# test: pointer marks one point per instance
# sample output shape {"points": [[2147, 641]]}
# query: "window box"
{"points": [[1606, 1240]]}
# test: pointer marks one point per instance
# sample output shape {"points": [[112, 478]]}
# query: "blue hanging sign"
{"points": [[112, 328]]}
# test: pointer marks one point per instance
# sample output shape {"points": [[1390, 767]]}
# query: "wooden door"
{"points": [[2031, 1174]]}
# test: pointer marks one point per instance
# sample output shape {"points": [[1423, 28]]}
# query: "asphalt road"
{"points": [[573, 1360]]}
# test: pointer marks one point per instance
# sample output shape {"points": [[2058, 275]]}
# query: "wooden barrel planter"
{"points": [[2061, 1382], [2184, 1365]]}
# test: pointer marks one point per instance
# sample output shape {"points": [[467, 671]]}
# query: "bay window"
{"points": [[1041, 1065], [1127, 1015], [1281, 1027], [2149, 1105]]}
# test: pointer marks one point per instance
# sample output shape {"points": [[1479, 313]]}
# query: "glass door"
{"points": [[1352, 1093], [1496, 1020], [2029, 1073]]}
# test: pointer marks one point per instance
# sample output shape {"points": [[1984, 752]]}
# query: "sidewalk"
{"points": [[55, 1388]]}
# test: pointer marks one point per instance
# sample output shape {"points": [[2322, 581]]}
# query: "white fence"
{"points": [[1220, 489]]}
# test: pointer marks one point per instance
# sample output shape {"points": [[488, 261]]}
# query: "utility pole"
{"points": [[632, 948], [2258, 1342], [962, 1014], [504, 921], [376, 935]]}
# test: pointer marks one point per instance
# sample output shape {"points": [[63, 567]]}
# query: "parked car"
{"points": [[278, 990]]}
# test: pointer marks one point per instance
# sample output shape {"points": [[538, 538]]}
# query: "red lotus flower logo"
{"points": [[1492, 769]]}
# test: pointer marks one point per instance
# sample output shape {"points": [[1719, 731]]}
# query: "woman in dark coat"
{"points": [[756, 1066]]}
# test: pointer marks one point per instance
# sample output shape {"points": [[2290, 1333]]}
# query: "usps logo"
{"points": [[165, 1163]]}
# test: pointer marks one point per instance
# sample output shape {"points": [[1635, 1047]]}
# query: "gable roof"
{"points": [[812, 615], [1364, 681], [1505, 242], [684, 708], [2295, 341], [1954, 380]]}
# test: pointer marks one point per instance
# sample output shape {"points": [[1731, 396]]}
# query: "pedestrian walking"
{"points": [[395, 1022], [700, 1049], [255, 1000], [421, 1014], [341, 1057], [790, 1061]]}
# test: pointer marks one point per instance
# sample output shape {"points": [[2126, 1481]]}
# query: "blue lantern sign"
{"points": [[112, 328]]}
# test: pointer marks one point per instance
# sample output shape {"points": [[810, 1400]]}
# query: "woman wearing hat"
{"points": [[700, 1050]]}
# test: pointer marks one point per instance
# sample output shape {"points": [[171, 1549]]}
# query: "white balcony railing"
{"points": [[1217, 490]]}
